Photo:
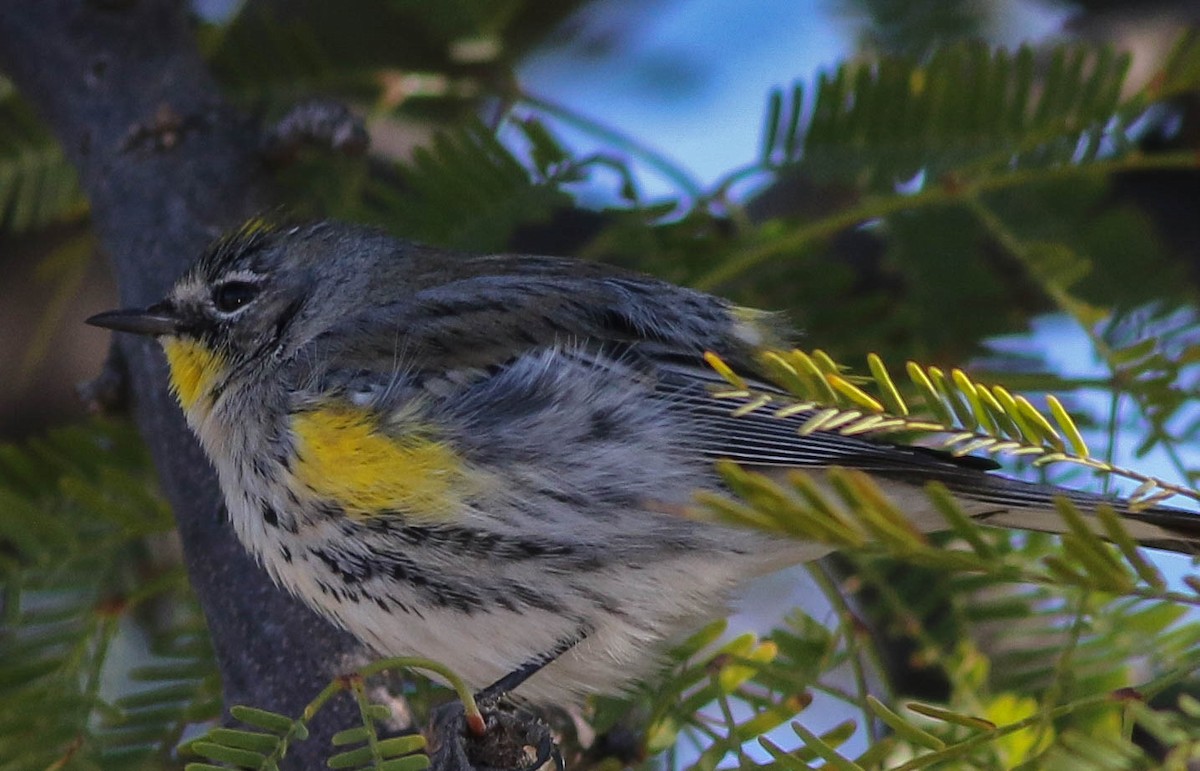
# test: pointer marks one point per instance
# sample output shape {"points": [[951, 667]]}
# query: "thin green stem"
{"points": [[778, 674], [732, 740], [1110, 444], [1075, 309], [701, 725], [1168, 443], [1148, 690], [105, 633], [837, 693], [1010, 573], [300, 725], [849, 631], [364, 712], [1128, 721], [1062, 668], [875, 207], [465, 695], [614, 138]]}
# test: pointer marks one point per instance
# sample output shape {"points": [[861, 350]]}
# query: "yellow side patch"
{"points": [[194, 370], [342, 458]]}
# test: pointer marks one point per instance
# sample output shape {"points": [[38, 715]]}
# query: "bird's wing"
{"points": [[490, 310], [459, 333], [760, 439]]}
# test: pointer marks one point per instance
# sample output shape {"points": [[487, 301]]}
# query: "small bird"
{"points": [[487, 460]]}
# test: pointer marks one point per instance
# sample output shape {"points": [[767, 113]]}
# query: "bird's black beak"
{"points": [[158, 319]]}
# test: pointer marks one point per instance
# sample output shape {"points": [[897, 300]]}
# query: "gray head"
{"points": [[261, 292], [266, 292]]}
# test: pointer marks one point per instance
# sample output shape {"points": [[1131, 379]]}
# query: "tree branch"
{"points": [[167, 165]]}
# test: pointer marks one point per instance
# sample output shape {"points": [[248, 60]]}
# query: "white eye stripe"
{"points": [[246, 276]]}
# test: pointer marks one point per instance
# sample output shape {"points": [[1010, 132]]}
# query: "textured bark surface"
{"points": [[167, 165]]}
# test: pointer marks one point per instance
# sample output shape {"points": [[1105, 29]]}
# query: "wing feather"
{"points": [[464, 326], [764, 440]]}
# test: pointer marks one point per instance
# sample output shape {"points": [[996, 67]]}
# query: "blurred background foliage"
{"points": [[953, 177]]}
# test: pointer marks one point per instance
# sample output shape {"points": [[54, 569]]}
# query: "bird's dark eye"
{"points": [[231, 295]]}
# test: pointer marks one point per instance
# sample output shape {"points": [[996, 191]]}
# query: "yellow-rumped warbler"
{"points": [[484, 459]]}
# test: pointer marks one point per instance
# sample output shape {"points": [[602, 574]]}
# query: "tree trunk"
{"points": [[167, 165]]}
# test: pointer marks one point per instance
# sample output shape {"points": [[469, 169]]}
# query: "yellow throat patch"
{"points": [[195, 369], [341, 456]]}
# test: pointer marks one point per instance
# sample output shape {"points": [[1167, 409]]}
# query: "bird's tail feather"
{"points": [[1005, 502]]}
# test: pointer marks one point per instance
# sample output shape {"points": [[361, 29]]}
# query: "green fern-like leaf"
{"points": [[37, 184], [399, 753], [180, 688], [386, 55], [271, 61], [724, 693], [467, 190], [967, 417], [268, 736], [260, 746], [881, 123], [1077, 621], [77, 571]]}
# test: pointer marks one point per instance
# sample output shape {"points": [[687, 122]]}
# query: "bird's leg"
{"points": [[528, 669], [508, 730]]}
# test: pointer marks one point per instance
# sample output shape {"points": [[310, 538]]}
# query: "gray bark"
{"points": [[167, 164]]}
